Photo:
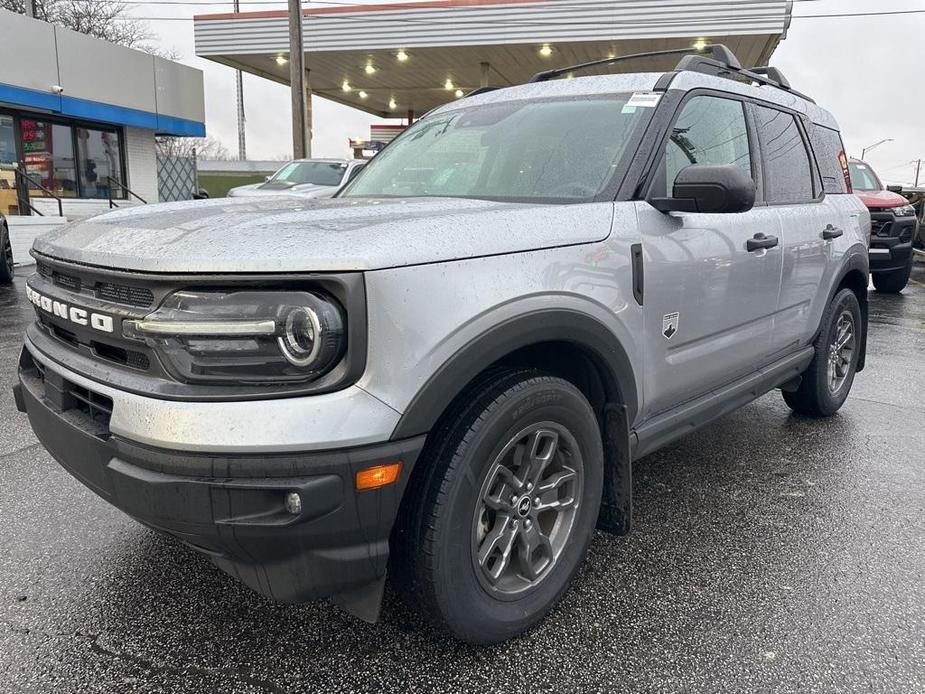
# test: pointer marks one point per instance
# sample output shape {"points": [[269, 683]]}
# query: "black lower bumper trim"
{"points": [[232, 508]]}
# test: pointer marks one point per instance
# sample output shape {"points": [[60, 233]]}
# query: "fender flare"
{"points": [[504, 338], [860, 262]]}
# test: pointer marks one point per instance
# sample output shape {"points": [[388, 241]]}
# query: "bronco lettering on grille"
{"points": [[74, 314]]}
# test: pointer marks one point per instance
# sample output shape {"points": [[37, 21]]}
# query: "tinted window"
{"points": [[788, 176], [561, 150], [830, 153], [710, 130]]}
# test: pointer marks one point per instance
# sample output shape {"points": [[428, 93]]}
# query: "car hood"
{"points": [[283, 233], [273, 188], [881, 199]]}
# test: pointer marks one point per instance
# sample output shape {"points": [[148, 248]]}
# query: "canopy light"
{"points": [[392, 104], [346, 86], [401, 56], [370, 69], [459, 93], [281, 60], [448, 85], [363, 94], [546, 51]]}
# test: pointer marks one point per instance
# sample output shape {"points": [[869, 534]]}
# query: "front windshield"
{"points": [[321, 173], [862, 177], [563, 150]]}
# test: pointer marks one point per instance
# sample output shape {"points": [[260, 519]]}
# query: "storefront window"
{"points": [[100, 160], [7, 140], [48, 151]]}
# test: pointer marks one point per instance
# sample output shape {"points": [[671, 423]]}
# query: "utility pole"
{"points": [[918, 167], [300, 147], [30, 8], [239, 93], [876, 144]]}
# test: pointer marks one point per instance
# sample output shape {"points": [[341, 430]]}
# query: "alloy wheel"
{"points": [[841, 351], [526, 509]]}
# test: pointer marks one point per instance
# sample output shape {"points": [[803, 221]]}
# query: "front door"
{"points": [[709, 302]]}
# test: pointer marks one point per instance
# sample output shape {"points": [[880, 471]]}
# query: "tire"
{"points": [[822, 392], [6, 256], [893, 282], [467, 464]]}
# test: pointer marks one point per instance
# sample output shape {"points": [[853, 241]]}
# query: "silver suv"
{"points": [[449, 369]]}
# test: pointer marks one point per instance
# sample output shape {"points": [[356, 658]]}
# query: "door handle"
{"points": [[759, 241], [831, 232]]}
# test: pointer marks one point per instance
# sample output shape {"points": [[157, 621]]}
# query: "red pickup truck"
{"points": [[893, 228]]}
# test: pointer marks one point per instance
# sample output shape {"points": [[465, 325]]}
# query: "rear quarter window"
{"points": [[830, 154], [788, 172]]}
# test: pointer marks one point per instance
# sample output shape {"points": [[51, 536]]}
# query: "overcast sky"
{"points": [[866, 70]]}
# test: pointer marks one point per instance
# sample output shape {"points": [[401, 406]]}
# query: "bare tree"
{"points": [[105, 19], [204, 147]]}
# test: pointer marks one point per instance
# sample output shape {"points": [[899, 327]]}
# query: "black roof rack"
{"points": [[721, 62], [719, 52]]}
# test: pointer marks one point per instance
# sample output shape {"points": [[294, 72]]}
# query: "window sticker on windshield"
{"points": [[628, 109], [644, 99]]}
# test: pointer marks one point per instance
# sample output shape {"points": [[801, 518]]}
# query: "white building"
{"points": [[78, 118]]}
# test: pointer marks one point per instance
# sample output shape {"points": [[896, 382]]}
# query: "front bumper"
{"points": [[230, 507], [891, 241]]}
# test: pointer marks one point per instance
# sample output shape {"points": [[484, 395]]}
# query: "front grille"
{"points": [[82, 406], [121, 294], [95, 407], [69, 282], [120, 355]]}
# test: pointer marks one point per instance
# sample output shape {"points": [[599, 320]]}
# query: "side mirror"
{"points": [[895, 189], [201, 194], [266, 178], [710, 188]]}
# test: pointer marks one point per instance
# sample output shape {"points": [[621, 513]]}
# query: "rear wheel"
{"points": [[827, 380], [509, 506], [6, 256], [893, 282]]}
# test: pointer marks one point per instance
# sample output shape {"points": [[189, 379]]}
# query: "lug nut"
{"points": [[529, 486], [536, 501], [294, 503]]}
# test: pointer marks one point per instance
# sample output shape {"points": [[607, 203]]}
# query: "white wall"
{"points": [[141, 163], [24, 230]]}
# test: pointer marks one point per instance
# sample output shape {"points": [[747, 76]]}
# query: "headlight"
{"points": [[244, 336], [903, 211]]}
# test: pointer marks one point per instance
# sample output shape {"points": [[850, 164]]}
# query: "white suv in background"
{"points": [[311, 178]]}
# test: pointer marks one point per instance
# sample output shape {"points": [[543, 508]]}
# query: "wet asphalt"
{"points": [[770, 554]]}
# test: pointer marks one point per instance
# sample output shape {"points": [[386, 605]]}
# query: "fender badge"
{"points": [[670, 325]]}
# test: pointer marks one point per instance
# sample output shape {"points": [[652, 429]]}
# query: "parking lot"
{"points": [[770, 553]]}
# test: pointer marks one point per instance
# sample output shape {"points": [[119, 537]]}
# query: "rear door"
{"points": [[793, 188], [709, 302]]}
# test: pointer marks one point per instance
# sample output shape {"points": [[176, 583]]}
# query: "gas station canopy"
{"points": [[395, 58]]}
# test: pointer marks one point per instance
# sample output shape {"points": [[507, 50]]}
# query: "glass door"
{"points": [[8, 159]]}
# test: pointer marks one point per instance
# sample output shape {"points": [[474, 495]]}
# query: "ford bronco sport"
{"points": [[449, 369]]}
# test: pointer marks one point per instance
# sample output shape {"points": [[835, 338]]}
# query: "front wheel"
{"points": [[509, 507], [893, 282], [827, 380]]}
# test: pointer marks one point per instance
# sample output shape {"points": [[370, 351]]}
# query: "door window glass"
{"points": [[710, 130], [787, 171], [100, 163]]}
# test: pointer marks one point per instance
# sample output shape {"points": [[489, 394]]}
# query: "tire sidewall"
{"points": [[830, 402], [467, 606]]}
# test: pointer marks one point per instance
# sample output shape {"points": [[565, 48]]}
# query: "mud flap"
{"points": [[616, 515], [364, 602]]}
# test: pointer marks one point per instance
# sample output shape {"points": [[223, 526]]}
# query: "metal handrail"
{"points": [[20, 171], [124, 187]]}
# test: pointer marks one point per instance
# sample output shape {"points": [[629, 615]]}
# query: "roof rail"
{"points": [[721, 62], [720, 53]]}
